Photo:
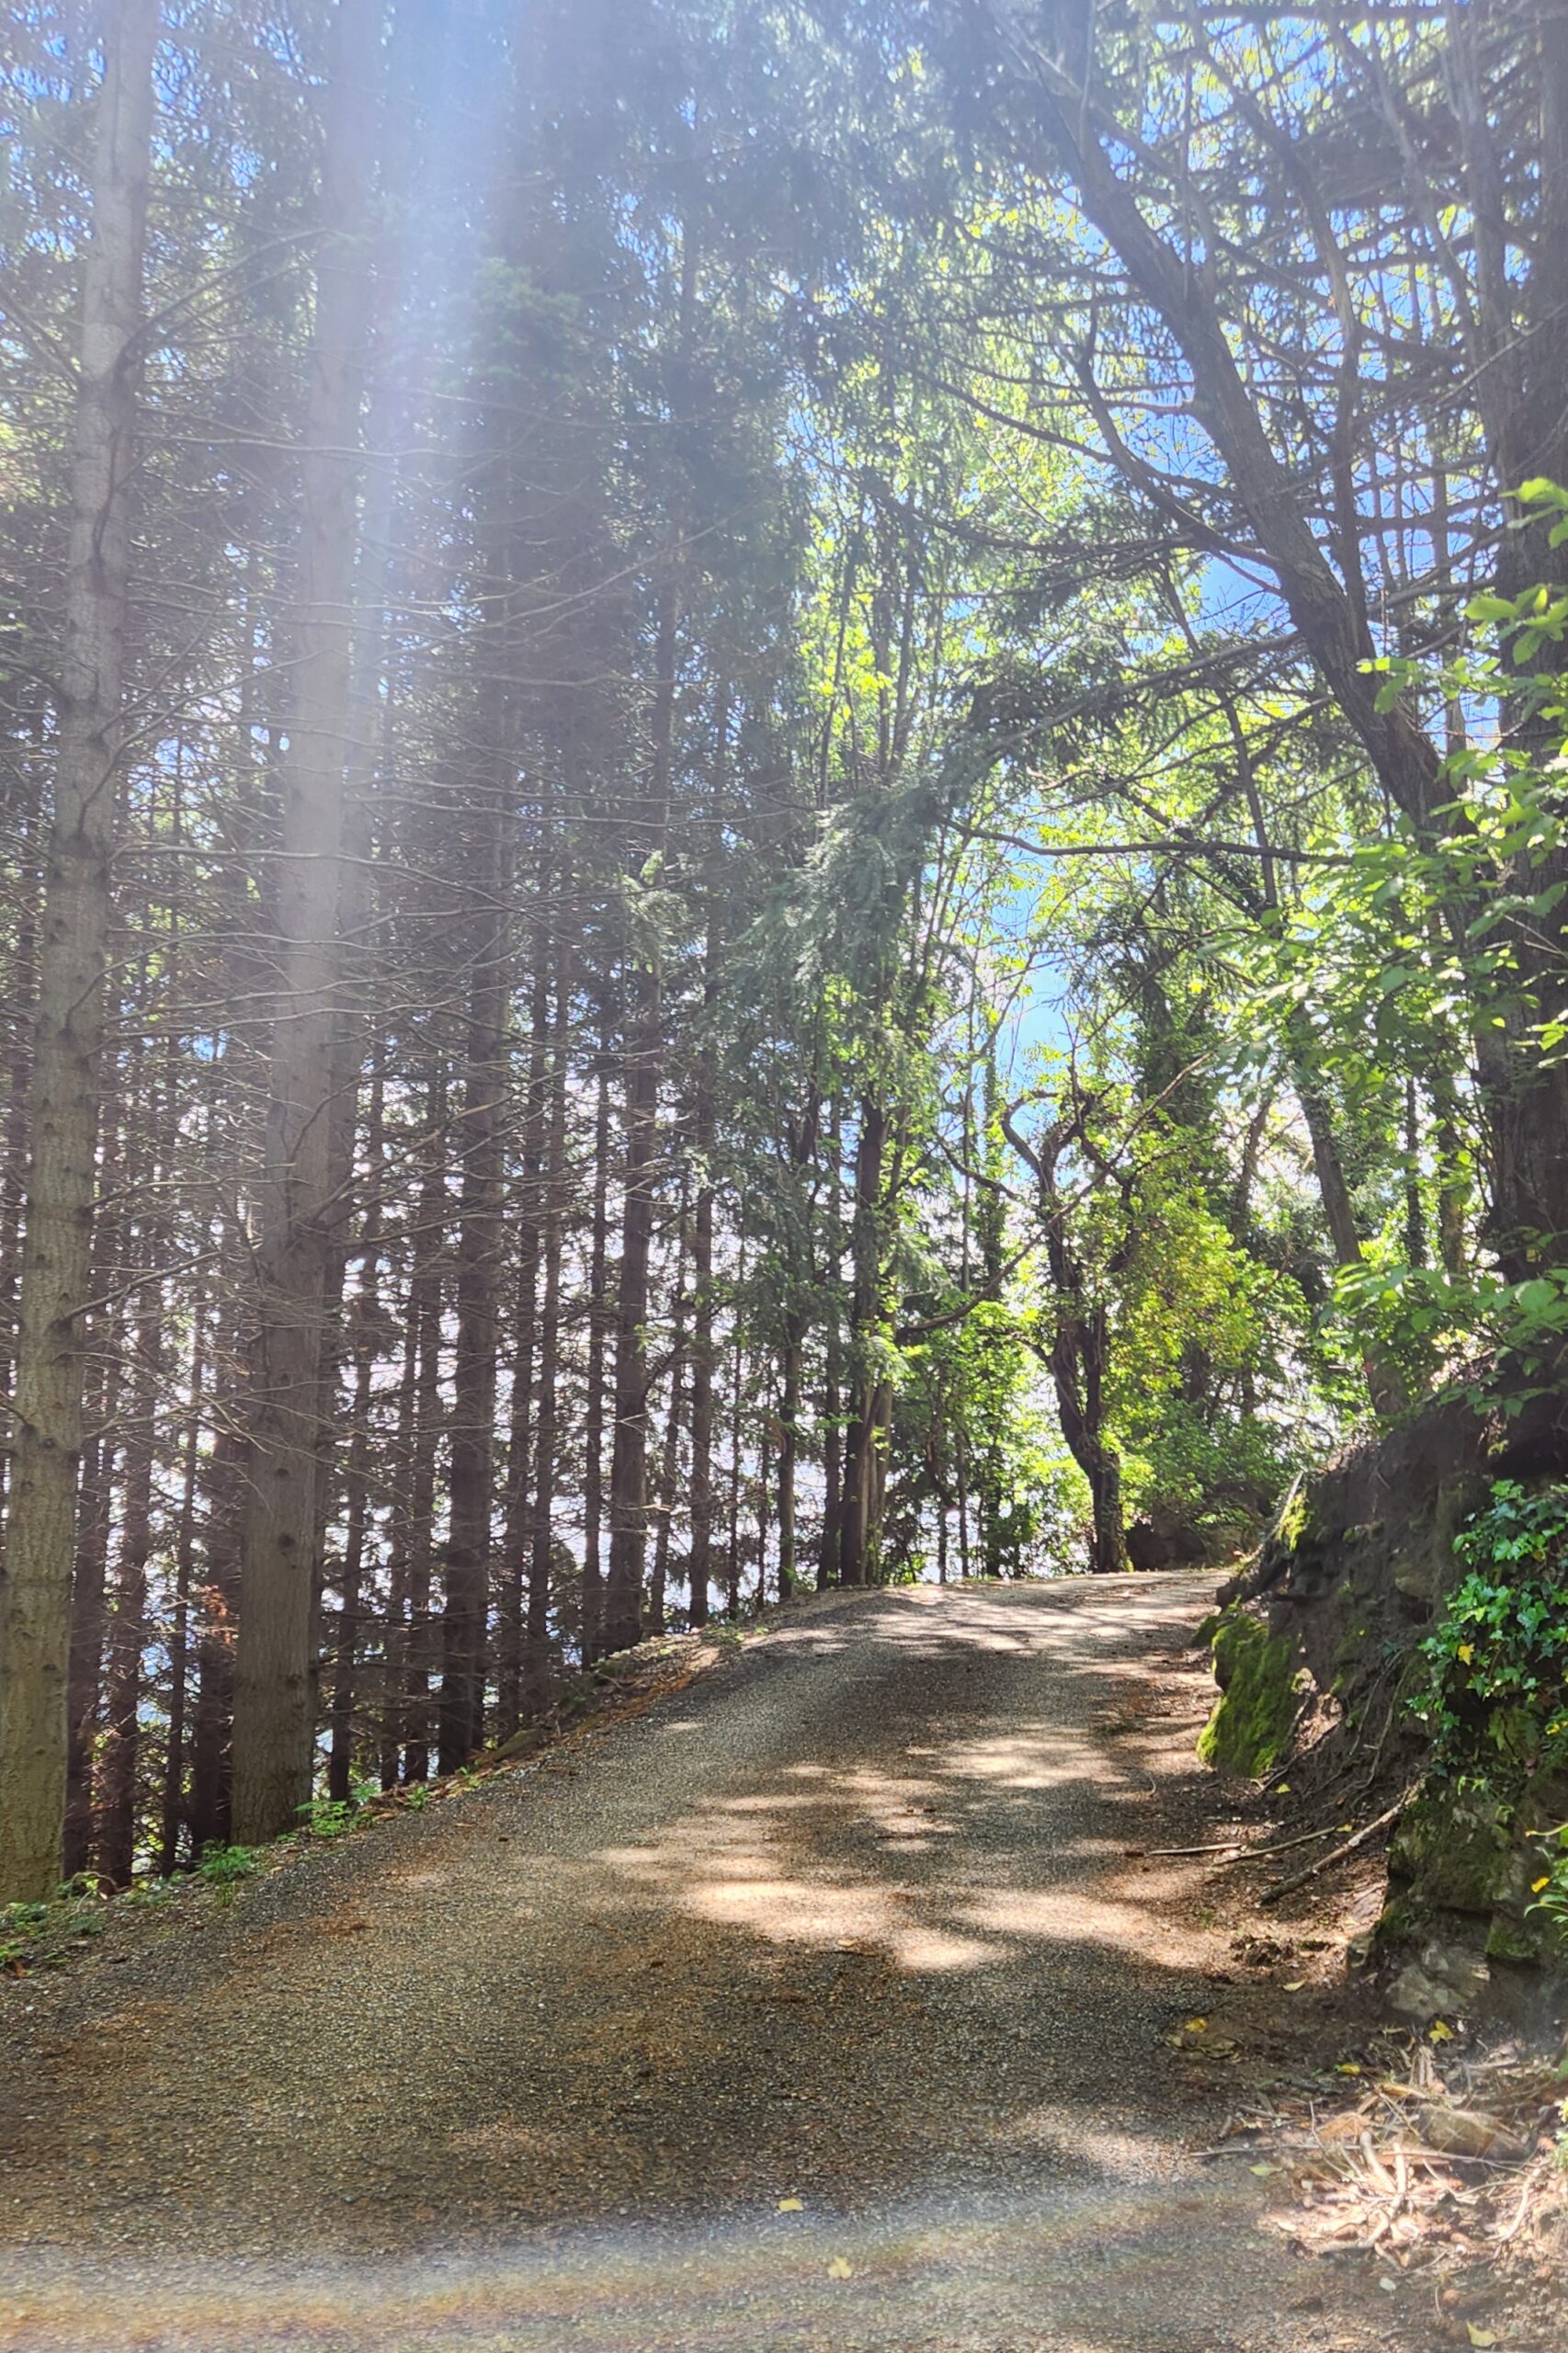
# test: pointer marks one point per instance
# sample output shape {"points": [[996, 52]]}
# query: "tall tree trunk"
{"points": [[857, 1542], [395, 1630], [424, 1309], [628, 1445], [669, 1467], [211, 1752], [96, 1509], [593, 1422], [737, 1375], [546, 1434], [274, 1683], [366, 1341], [517, 1548], [1078, 1363], [95, 1527], [35, 1588], [644, 1052], [480, 1240], [175, 1814], [833, 1437], [789, 1451], [704, 1123], [21, 979], [1384, 1384], [119, 1773], [764, 1496]]}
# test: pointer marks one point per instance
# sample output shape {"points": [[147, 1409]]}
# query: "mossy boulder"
{"points": [[1460, 1854], [1453, 1850], [1249, 1732]]}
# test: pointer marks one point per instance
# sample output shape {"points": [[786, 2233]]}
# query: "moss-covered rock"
{"points": [[1453, 1851], [1460, 1854], [1516, 1940], [1250, 1729]]}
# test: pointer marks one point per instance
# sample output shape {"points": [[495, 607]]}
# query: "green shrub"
{"points": [[1494, 1699], [328, 1817], [224, 1867]]}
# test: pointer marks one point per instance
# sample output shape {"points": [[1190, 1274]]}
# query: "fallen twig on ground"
{"points": [[1326, 1863]]}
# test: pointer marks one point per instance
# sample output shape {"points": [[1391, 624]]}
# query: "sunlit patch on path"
{"points": [[820, 2008]]}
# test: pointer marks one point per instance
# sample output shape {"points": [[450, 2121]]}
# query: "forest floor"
{"points": [[840, 1999]]}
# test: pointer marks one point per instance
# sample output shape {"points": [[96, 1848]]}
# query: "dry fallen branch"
{"points": [[1326, 1863]]}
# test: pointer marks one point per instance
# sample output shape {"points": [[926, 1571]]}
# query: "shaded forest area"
{"points": [[782, 805]]}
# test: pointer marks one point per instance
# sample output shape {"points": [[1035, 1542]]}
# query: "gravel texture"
{"points": [[848, 1922]]}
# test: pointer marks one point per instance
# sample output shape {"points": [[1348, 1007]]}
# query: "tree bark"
{"points": [[593, 1422], [858, 1538], [643, 1057], [274, 1683], [789, 1451], [174, 1812], [118, 1771], [365, 1340], [546, 1434], [669, 1467], [35, 1591], [479, 1237], [425, 1302]]}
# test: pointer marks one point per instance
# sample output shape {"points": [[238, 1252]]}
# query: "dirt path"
{"points": [[849, 1924]]}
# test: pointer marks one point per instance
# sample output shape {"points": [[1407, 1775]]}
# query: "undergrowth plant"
{"points": [[1494, 1700], [223, 1868]]}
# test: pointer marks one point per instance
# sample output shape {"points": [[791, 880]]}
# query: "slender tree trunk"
{"points": [[425, 1307], [366, 1339], [211, 1753], [789, 1452], [547, 1435], [274, 1683], [961, 1452], [175, 1815], [21, 987], [479, 1241], [593, 1430], [1453, 1188], [833, 1441], [103, 1339], [737, 1376], [856, 1547], [118, 1772], [1385, 1385], [645, 1052], [518, 1546], [511, 1608], [222, 1481], [700, 1566], [395, 1637], [95, 1525], [764, 1495], [669, 1466], [629, 1448]]}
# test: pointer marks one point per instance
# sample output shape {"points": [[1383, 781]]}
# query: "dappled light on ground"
{"points": [[833, 1852], [827, 2013]]}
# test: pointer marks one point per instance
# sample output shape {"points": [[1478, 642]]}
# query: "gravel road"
{"points": [[818, 2008]]}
